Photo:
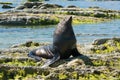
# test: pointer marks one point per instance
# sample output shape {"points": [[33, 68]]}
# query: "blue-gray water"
{"points": [[85, 33], [115, 5]]}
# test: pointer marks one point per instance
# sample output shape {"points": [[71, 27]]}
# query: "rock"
{"points": [[75, 62], [34, 7], [71, 6], [100, 14], [109, 45], [116, 39], [100, 41], [7, 6], [37, 3], [18, 19], [45, 6], [100, 47], [29, 4], [96, 7], [21, 7], [8, 3], [27, 44], [13, 20]]}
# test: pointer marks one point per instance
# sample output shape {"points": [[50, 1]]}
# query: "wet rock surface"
{"points": [[107, 45], [5, 6], [23, 14], [23, 18], [91, 66], [37, 5]]}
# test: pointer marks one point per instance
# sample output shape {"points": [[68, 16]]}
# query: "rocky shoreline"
{"points": [[91, 65], [99, 61], [43, 19], [38, 13]]}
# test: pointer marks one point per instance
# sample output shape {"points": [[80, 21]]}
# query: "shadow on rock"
{"points": [[86, 59], [73, 61]]}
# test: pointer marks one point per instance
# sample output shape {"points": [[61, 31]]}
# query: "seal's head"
{"points": [[64, 26]]}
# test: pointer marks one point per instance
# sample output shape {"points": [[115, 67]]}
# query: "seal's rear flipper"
{"points": [[32, 55], [55, 58], [75, 52]]}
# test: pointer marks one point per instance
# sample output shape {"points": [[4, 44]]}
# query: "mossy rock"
{"points": [[8, 3], [106, 45], [29, 44], [5, 6]]}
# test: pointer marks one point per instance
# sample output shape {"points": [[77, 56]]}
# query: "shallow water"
{"points": [[115, 5], [85, 33]]}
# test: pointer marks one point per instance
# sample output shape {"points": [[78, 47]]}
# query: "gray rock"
{"points": [[100, 41], [71, 6], [13, 20], [108, 40], [29, 4], [18, 20], [45, 6], [7, 6], [21, 7], [96, 7], [99, 14]]}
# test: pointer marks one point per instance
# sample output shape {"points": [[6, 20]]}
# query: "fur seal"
{"points": [[63, 46]]}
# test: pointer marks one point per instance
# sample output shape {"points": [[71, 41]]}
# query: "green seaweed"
{"points": [[6, 3], [108, 48], [62, 76], [16, 62]]}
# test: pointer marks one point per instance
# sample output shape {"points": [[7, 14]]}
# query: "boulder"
{"points": [[108, 40], [100, 14], [37, 3], [71, 6], [29, 4], [45, 6], [13, 20], [96, 7], [21, 7], [7, 6], [100, 41]]}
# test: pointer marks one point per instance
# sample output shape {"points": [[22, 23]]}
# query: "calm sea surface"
{"points": [[85, 33]]}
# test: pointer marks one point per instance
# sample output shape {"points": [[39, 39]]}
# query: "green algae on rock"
{"points": [[39, 13], [88, 67], [106, 45], [9, 3], [45, 8], [43, 19]]}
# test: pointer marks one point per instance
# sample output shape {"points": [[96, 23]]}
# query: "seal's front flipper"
{"points": [[32, 55], [75, 52], [55, 58]]}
